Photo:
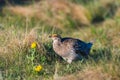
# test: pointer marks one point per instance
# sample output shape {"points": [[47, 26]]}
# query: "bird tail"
{"points": [[89, 45]]}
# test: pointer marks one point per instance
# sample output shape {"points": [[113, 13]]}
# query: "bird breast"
{"points": [[60, 49]]}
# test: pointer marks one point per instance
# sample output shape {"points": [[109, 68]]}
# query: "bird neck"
{"points": [[57, 45], [57, 42]]}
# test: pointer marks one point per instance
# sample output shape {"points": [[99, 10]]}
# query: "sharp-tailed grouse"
{"points": [[70, 48]]}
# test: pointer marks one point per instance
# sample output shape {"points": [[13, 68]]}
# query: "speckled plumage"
{"points": [[70, 48]]}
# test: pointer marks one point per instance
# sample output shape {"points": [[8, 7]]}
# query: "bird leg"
{"points": [[68, 60], [64, 58]]}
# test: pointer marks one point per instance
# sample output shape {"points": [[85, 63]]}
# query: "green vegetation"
{"points": [[95, 22]]}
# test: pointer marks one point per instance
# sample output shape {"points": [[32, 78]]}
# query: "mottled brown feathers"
{"points": [[70, 48]]}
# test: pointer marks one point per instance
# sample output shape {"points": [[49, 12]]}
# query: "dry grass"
{"points": [[112, 32], [54, 12], [87, 74], [117, 13], [18, 41]]}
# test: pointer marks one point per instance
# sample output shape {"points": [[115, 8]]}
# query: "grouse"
{"points": [[70, 48]]}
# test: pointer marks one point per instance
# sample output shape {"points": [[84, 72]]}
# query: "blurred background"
{"points": [[64, 13]]}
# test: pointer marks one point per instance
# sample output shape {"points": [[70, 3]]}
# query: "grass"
{"points": [[17, 59]]}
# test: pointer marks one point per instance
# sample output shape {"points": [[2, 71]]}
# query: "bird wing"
{"points": [[79, 46], [82, 47], [67, 44], [75, 44]]}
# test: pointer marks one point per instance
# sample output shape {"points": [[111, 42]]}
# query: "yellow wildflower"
{"points": [[34, 45], [38, 68]]}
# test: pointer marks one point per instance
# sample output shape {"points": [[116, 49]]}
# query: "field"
{"points": [[24, 23]]}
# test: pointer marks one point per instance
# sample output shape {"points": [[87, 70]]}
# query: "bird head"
{"points": [[55, 37]]}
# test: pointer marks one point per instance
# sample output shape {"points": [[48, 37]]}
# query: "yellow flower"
{"points": [[38, 68], [34, 45]]}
